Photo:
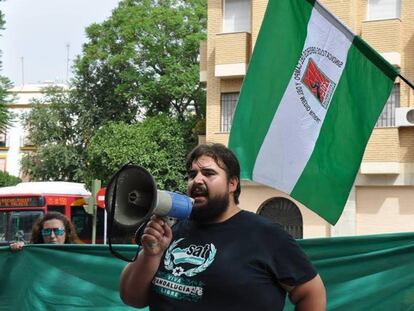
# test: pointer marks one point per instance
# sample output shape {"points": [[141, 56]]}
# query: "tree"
{"points": [[141, 62], [144, 59], [63, 152], [5, 97], [8, 180], [157, 144], [53, 129]]}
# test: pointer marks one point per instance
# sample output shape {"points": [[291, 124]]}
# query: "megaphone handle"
{"points": [[169, 220]]}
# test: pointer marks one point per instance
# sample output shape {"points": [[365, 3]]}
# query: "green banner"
{"points": [[363, 273], [61, 277], [360, 273]]}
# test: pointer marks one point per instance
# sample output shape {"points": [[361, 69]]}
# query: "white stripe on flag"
{"points": [[295, 128]]}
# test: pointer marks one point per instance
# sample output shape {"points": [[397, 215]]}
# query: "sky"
{"points": [[40, 36]]}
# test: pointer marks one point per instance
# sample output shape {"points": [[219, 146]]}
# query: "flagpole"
{"points": [[406, 81]]}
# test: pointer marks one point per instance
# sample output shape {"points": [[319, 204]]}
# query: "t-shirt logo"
{"points": [[189, 261], [181, 264]]}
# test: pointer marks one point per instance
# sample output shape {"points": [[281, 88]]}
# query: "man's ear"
{"points": [[233, 184]]}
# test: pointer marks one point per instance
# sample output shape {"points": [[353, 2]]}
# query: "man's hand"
{"points": [[157, 237], [137, 276]]}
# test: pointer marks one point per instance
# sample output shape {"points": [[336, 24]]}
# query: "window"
{"points": [[387, 117], [84, 222], [284, 212], [236, 16], [228, 105], [15, 226], [383, 9], [26, 139], [56, 208], [3, 140]]}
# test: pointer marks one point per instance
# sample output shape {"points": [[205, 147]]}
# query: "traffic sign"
{"points": [[100, 198]]}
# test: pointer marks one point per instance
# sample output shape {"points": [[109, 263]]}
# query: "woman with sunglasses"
{"points": [[52, 228]]}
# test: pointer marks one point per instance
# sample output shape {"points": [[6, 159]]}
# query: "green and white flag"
{"points": [[308, 105]]}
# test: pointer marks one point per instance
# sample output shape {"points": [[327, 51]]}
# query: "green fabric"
{"points": [[360, 273], [263, 83], [337, 155], [314, 162], [365, 273], [64, 277]]}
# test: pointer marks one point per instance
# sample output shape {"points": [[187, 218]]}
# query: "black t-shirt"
{"points": [[233, 265]]}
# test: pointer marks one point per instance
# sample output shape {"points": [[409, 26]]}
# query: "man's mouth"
{"points": [[198, 193]]}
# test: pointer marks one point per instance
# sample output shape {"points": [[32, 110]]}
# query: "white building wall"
{"points": [[15, 134]]}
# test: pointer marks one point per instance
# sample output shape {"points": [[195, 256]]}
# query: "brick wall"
{"points": [[232, 48], [407, 50], [383, 146], [406, 138], [383, 35], [214, 26]]}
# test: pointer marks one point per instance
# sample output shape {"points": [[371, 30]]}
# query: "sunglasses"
{"points": [[57, 231]]}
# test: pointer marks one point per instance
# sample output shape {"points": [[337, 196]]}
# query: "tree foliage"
{"points": [[8, 180], [144, 59], [157, 144], [53, 128], [5, 85], [140, 63]]}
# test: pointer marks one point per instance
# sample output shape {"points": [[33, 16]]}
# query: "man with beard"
{"points": [[223, 258]]}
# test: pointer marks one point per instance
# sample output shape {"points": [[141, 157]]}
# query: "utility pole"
{"points": [[67, 61], [22, 61], [92, 207]]}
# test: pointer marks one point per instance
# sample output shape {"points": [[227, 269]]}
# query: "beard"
{"points": [[208, 213]]}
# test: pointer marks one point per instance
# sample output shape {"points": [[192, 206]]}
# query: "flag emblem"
{"points": [[318, 83]]}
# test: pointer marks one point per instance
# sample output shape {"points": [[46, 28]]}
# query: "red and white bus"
{"points": [[22, 204]]}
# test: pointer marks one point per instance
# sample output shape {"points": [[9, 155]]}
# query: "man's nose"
{"points": [[199, 178]]}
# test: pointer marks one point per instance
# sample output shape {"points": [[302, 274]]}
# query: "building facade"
{"points": [[14, 142], [382, 198]]}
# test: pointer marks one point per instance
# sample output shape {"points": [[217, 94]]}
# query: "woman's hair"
{"points": [[71, 235]]}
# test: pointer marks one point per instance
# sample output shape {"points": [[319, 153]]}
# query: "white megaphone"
{"points": [[132, 197]]}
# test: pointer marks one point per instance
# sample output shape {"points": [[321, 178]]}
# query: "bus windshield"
{"points": [[21, 205], [17, 225]]}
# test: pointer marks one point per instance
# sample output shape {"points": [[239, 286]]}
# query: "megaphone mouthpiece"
{"points": [[173, 204]]}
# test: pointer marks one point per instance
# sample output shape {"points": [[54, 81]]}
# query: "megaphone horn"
{"points": [[132, 197]]}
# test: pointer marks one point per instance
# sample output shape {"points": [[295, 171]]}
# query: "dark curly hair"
{"points": [[71, 235]]}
